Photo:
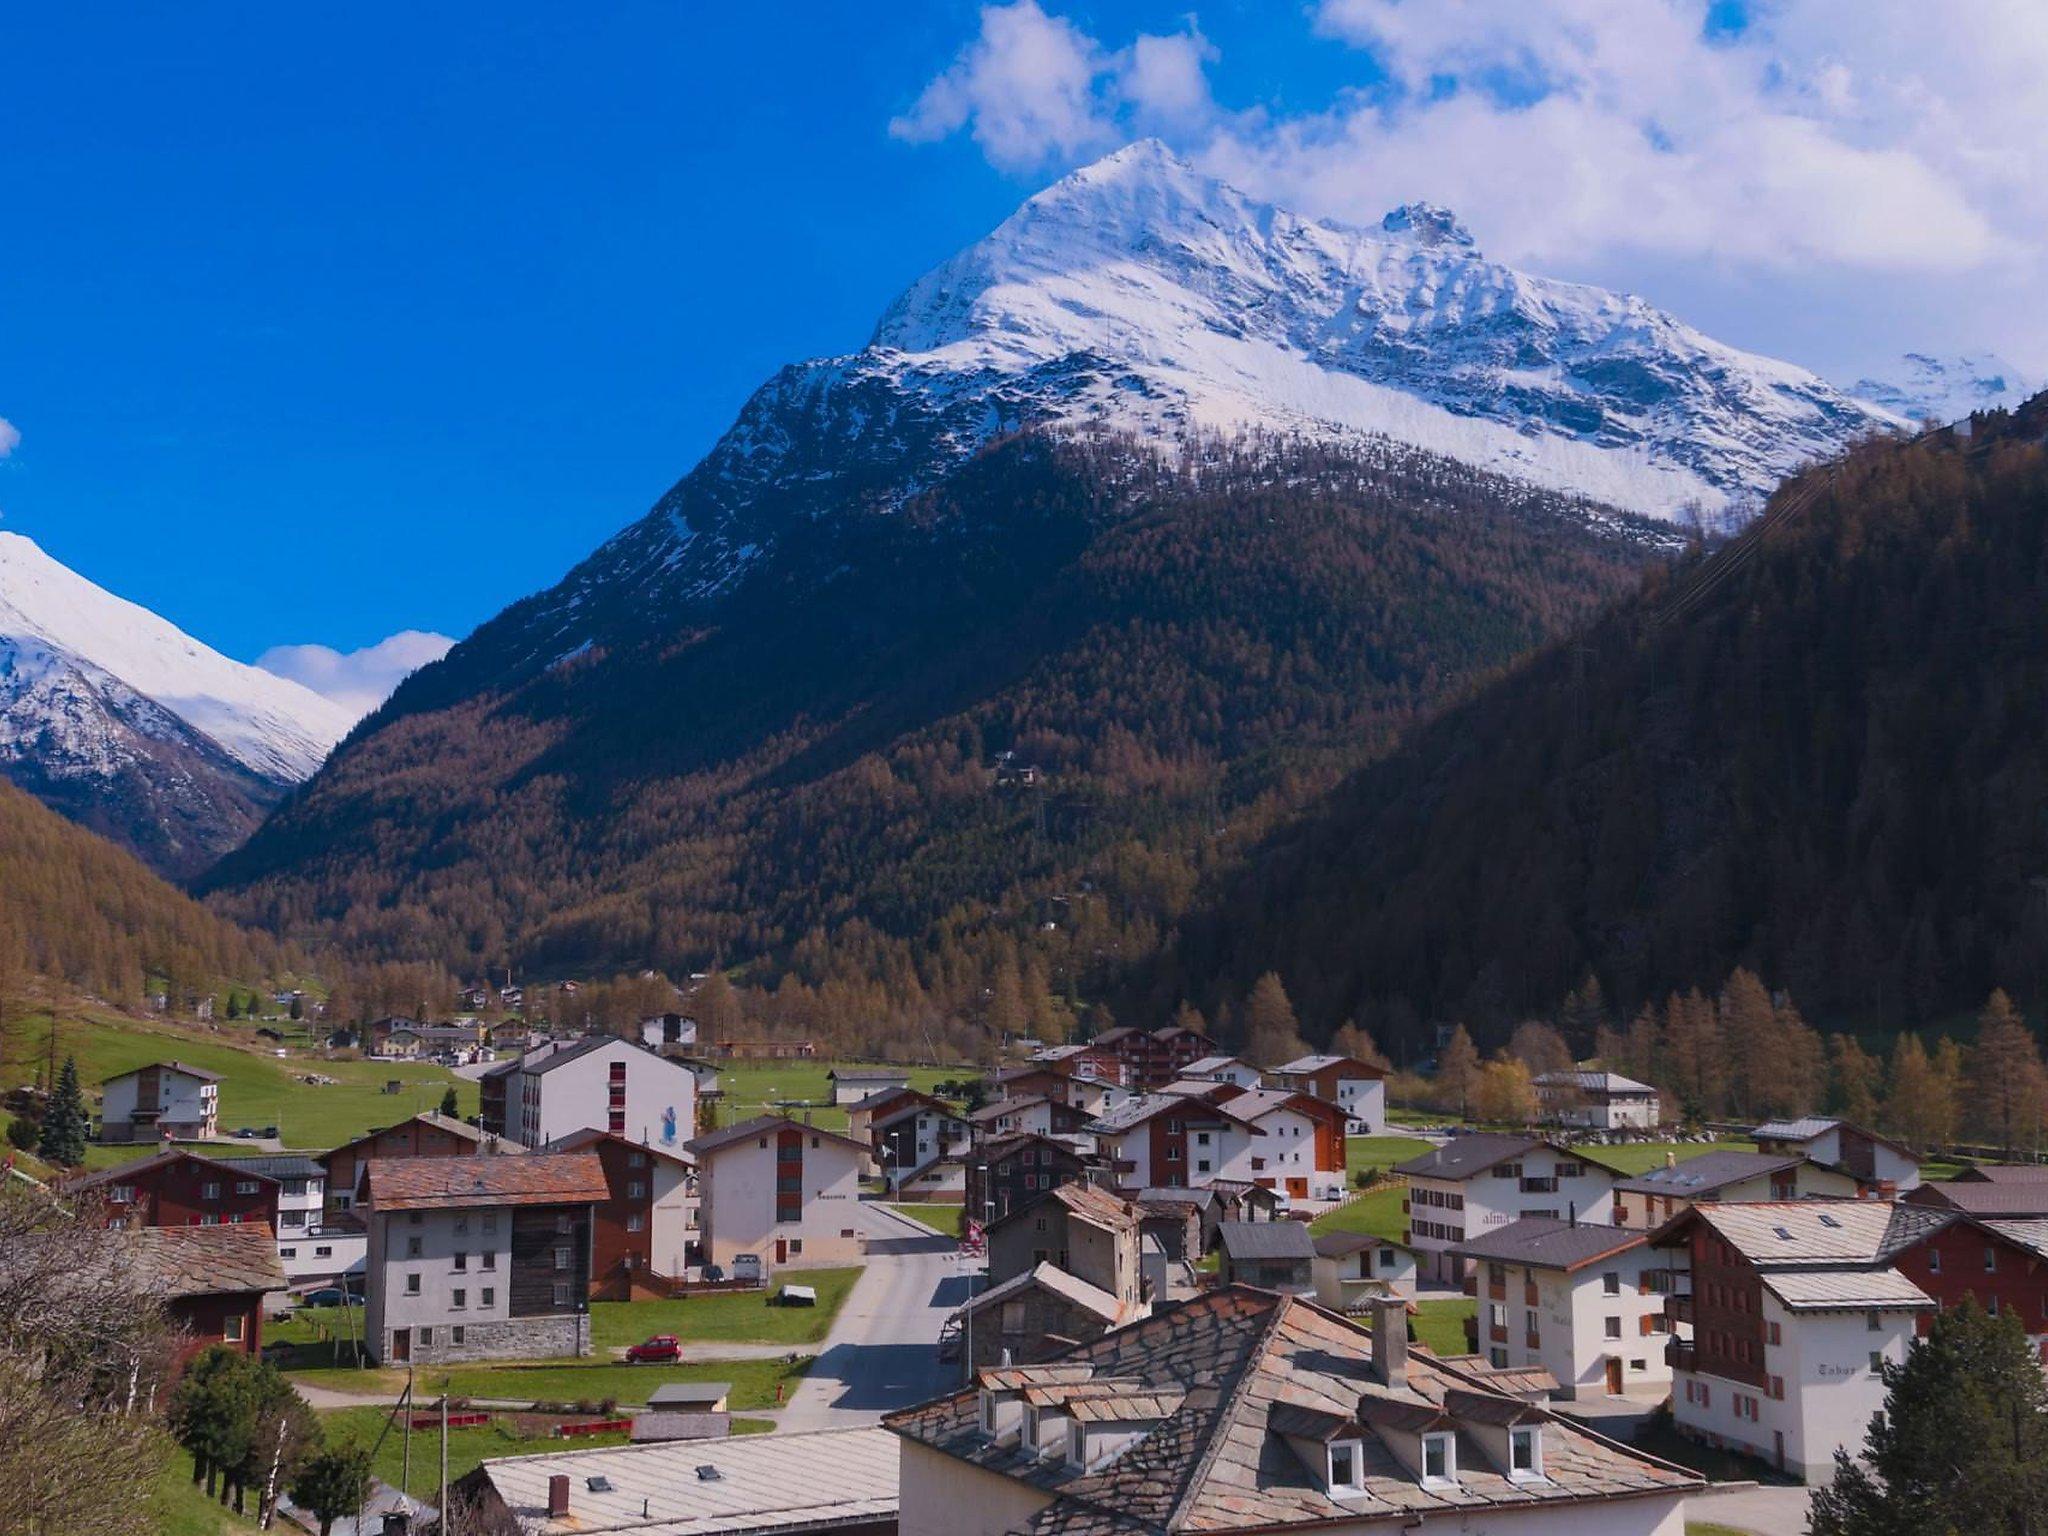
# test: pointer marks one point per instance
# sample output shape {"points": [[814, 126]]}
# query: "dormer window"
{"points": [[1525, 1453], [1077, 1445], [988, 1413], [1439, 1458], [1347, 1467]]}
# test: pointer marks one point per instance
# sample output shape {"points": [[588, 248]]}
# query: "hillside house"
{"points": [[477, 1258], [1475, 1183], [780, 1190], [1246, 1411], [646, 1225], [1880, 1166], [1794, 1310], [1356, 1087], [1599, 1101], [1586, 1303], [1651, 1199], [1355, 1269], [425, 1135], [164, 1101], [1278, 1255]]}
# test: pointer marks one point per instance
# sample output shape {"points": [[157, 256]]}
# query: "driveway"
{"points": [[1762, 1511], [882, 1352]]}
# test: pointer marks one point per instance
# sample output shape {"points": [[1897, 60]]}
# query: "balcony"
{"points": [[1678, 1309], [1681, 1356], [1539, 1186]]}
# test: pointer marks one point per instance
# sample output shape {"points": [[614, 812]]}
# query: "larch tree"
{"points": [[1540, 1048], [1350, 1040], [1505, 1092], [2004, 1077], [1272, 1035], [1457, 1071], [1751, 1040], [1855, 1081]]}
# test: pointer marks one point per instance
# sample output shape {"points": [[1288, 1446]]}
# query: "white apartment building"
{"points": [[1794, 1309], [1223, 1069], [1879, 1165], [1648, 1200], [474, 1258], [1473, 1184], [1355, 1087], [311, 1248], [601, 1083], [1287, 1142], [1600, 1101], [1583, 1302], [166, 1100], [780, 1190], [1352, 1269]]}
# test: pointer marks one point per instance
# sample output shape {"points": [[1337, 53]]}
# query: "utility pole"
{"points": [[441, 1519], [405, 1455]]}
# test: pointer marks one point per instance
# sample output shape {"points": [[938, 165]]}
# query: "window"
{"points": [[1013, 1317], [232, 1328], [291, 1218], [1346, 1467], [636, 1222], [637, 1190], [1610, 1285], [1877, 1362], [210, 1190], [455, 1334], [287, 1253], [564, 1257], [1874, 1321], [1777, 1389], [1525, 1453], [461, 1262], [245, 1186], [426, 1335], [1774, 1333], [562, 1223], [1439, 1459], [458, 1299], [1991, 1304], [1990, 1260], [1934, 1261], [487, 1297], [121, 1194], [561, 1294], [988, 1412], [412, 1285], [412, 1247], [1613, 1327], [323, 1251], [1077, 1445]]}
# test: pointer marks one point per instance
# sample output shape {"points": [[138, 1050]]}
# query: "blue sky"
{"points": [[325, 323]]}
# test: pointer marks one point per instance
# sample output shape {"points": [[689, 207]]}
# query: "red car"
{"points": [[662, 1347]]}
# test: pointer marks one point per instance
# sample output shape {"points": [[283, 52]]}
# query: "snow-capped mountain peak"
{"points": [[1922, 387], [1429, 224], [276, 729]]}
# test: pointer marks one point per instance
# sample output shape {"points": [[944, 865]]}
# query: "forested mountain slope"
{"points": [[1181, 648], [1821, 754]]}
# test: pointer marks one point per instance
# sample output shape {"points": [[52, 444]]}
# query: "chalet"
{"points": [[1278, 1255], [668, 1029], [644, 1227], [1355, 1269], [1026, 1117], [313, 1248], [1650, 1199], [1474, 1183], [852, 1084], [1091, 1059], [1007, 1172], [1356, 1087], [476, 1258], [174, 1188], [2000, 1263], [1035, 1315], [1290, 1143], [1795, 1308], [1030, 1082], [1880, 1166], [1080, 1228], [212, 1281], [780, 1190], [906, 1129], [1600, 1101], [425, 1135], [1223, 1069], [1586, 1303], [1161, 1140], [164, 1101], [1245, 1411]]}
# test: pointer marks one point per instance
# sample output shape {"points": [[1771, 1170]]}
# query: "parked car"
{"points": [[663, 1348], [746, 1267], [331, 1296]]}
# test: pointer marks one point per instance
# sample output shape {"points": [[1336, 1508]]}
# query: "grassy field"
{"points": [[1377, 1212], [741, 1317], [763, 1087], [1380, 1151], [257, 1088], [938, 1215], [176, 1508], [754, 1382], [1633, 1158], [1440, 1323]]}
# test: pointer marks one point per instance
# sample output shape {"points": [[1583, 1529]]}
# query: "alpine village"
{"points": [[1255, 872]]}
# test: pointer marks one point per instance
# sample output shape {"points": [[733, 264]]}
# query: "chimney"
{"points": [[1390, 1341], [1572, 1215], [558, 1496], [1670, 1159]]}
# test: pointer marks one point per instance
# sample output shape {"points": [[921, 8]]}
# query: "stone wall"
{"points": [[516, 1338]]}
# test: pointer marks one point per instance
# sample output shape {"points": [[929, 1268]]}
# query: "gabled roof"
{"points": [[1813, 1127], [122, 1173], [454, 1183], [232, 1259], [1463, 1156], [869, 1074], [1702, 1175], [1832, 1290], [1593, 1082], [283, 1165], [1050, 1277], [996, 1148], [590, 1136], [590, 1045], [909, 1102], [434, 1120], [993, 1111], [1134, 1112], [1213, 1064], [1793, 1234], [1266, 1240], [2017, 1198], [1336, 1245], [1217, 1461], [1549, 1242], [185, 1067], [2004, 1173], [1085, 1202], [1309, 1066], [765, 1125]]}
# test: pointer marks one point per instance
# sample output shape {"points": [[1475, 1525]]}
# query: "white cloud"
{"points": [[360, 679], [10, 437], [1033, 89], [1852, 176]]}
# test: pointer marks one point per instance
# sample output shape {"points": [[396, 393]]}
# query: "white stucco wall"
{"points": [[1572, 1315], [736, 1187]]}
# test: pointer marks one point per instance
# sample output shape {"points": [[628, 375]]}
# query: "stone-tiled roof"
{"points": [[1463, 1156], [1831, 1290], [227, 1260], [2004, 1173], [1984, 1199], [1708, 1172], [452, 1183], [1087, 1202], [1052, 1278], [185, 1067], [1217, 1462], [1265, 1240], [1586, 1081], [123, 1173], [764, 1125], [1814, 1233], [1550, 1242], [1806, 1128]]}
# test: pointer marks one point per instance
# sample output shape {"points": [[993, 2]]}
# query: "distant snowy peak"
{"points": [[67, 639], [1945, 389]]}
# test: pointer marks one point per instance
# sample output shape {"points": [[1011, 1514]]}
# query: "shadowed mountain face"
{"points": [[1820, 755]]}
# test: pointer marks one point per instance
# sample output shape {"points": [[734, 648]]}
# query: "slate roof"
{"points": [[121, 1173], [764, 1483], [1338, 1245], [1775, 1234], [1550, 1242], [2004, 1173], [1133, 1112], [228, 1260], [1806, 1128], [712, 1141], [185, 1067], [453, 1183], [439, 1122], [1212, 1064], [989, 1114], [591, 1136], [1051, 1277], [2028, 1234], [1306, 1066], [665, 1427], [1266, 1240], [1827, 1290], [1236, 1357], [589, 1045], [1463, 1156], [280, 1166], [1087, 1202], [1707, 1172], [1593, 1082], [2019, 1198]]}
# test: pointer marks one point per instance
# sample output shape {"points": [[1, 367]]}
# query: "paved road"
{"points": [[880, 1354], [1763, 1511]]}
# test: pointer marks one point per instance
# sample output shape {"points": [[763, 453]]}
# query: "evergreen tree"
{"points": [[297, 1010], [333, 1483], [449, 1106], [1457, 1071], [213, 1415], [66, 1123], [1962, 1443], [1584, 1016], [2004, 1077]]}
